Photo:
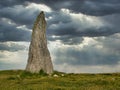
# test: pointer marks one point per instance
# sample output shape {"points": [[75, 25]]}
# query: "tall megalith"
{"points": [[39, 56]]}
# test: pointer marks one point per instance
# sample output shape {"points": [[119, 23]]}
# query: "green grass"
{"points": [[21, 80]]}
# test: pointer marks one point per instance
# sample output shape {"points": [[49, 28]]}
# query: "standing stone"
{"points": [[39, 56]]}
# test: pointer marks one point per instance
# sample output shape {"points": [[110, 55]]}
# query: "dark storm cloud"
{"points": [[66, 28], [8, 3], [10, 32], [12, 47], [90, 32], [114, 20], [111, 43], [101, 7], [87, 56], [19, 14], [67, 39], [90, 7], [94, 32]]}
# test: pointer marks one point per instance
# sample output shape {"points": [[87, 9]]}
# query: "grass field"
{"points": [[21, 80]]}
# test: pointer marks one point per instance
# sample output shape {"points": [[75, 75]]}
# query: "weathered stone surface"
{"points": [[39, 56]]}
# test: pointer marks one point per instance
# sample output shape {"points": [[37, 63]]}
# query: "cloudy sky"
{"points": [[83, 35]]}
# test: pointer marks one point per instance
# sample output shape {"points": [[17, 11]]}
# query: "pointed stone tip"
{"points": [[40, 17], [42, 13]]}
